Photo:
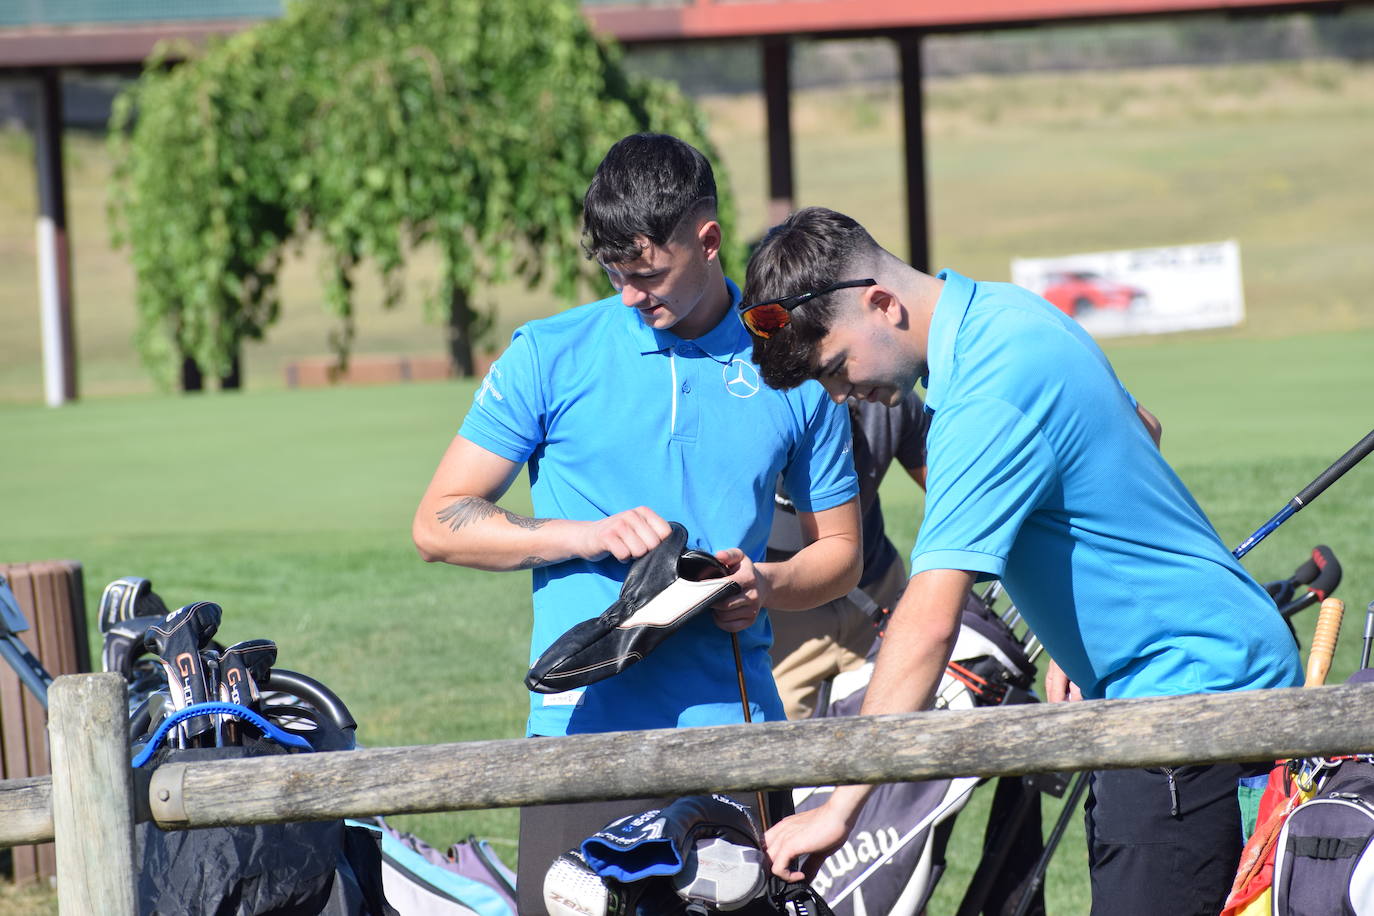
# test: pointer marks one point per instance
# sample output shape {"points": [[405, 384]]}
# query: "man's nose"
{"points": [[838, 391], [635, 298]]}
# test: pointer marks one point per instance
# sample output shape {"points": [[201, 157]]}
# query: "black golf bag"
{"points": [[895, 854], [193, 700]]}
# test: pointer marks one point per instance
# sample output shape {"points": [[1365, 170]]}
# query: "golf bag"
{"points": [[895, 854], [1324, 857], [419, 880], [192, 700]]}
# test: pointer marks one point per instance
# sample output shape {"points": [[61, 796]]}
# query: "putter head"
{"points": [[177, 640]]}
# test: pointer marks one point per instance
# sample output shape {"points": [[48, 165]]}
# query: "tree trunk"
{"points": [[192, 379], [460, 333]]}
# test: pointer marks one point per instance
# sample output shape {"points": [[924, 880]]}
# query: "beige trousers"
{"points": [[810, 647]]}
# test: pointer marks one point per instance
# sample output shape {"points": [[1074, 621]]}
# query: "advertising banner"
{"points": [[1143, 290]]}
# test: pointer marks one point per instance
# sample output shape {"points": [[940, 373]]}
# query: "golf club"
{"points": [[1368, 635], [1310, 492], [177, 642], [744, 702], [242, 667], [209, 661]]}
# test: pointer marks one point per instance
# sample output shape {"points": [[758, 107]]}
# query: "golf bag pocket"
{"points": [[659, 842], [663, 590], [1324, 863]]}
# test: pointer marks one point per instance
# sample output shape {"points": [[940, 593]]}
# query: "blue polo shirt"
{"points": [[611, 414], [1040, 473]]}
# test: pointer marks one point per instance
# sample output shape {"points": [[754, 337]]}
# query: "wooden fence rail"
{"points": [[1105, 734]]}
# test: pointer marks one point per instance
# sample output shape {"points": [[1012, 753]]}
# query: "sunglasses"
{"points": [[763, 319]]}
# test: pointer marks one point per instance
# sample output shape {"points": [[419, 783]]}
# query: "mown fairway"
{"points": [[292, 508]]}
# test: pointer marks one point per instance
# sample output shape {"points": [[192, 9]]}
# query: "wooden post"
{"points": [[92, 794], [914, 150], [777, 93]]}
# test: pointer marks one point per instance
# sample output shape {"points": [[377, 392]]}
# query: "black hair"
{"points": [[810, 250], [645, 188]]}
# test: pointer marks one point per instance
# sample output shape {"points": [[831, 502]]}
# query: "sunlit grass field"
{"points": [[291, 508]]}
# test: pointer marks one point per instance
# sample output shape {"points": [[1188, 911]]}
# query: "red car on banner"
{"points": [[1075, 292]]}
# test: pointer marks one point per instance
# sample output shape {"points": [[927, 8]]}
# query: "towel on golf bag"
{"points": [[263, 870], [419, 880], [664, 589], [658, 841], [1324, 857]]}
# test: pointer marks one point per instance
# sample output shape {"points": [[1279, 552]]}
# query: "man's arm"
{"points": [[459, 522], [916, 647], [826, 568]]}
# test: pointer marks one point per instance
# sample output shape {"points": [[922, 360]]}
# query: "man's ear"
{"points": [[883, 300], [709, 236]]}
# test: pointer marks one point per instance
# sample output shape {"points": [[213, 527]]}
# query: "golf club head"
{"points": [[127, 597], [243, 666], [125, 642], [177, 640]]}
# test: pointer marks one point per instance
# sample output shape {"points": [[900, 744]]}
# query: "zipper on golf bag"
{"points": [[1325, 852]]}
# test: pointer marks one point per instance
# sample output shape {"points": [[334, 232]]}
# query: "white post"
{"points": [[54, 271], [92, 795]]}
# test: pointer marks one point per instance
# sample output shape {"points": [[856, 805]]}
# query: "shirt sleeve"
{"points": [[913, 423], [507, 416], [821, 474], [990, 468]]}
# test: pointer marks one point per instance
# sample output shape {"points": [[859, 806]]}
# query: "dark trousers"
{"points": [[1164, 842], [547, 831]]}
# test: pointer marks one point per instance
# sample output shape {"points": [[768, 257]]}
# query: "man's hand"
{"points": [[815, 834], [739, 611], [626, 535], [1058, 687]]}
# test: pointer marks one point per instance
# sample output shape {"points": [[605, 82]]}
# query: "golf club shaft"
{"points": [[1310, 492], [1037, 877], [744, 702], [1368, 635]]}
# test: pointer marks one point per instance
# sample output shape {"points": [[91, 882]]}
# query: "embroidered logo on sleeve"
{"points": [[489, 386]]}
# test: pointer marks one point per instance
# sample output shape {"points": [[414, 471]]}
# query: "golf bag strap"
{"points": [[798, 899], [276, 733]]}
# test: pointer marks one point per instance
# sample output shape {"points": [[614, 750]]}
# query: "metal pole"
{"points": [[913, 126], [777, 91]]}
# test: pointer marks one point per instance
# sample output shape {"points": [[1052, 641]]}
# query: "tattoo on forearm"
{"points": [[469, 509], [532, 562]]}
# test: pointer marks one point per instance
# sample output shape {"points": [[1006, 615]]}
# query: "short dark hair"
{"points": [[810, 250], [647, 185]]}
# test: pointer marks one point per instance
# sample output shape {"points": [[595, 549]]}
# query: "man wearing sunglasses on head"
{"points": [[1041, 472], [631, 412]]}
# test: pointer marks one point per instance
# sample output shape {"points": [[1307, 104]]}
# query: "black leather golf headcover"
{"points": [[657, 842], [664, 589], [128, 597]]}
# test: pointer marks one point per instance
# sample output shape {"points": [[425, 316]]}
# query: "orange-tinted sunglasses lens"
{"points": [[763, 320]]}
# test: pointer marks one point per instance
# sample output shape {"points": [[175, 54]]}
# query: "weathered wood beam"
{"points": [[1254, 725]]}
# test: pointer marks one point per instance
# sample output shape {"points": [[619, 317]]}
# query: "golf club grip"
{"points": [[1324, 641], [1342, 464]]}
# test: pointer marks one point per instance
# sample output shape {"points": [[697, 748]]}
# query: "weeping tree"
{"points": [[378, 127]]}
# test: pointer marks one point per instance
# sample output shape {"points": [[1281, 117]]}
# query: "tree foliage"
{"points": [[472, 126]]}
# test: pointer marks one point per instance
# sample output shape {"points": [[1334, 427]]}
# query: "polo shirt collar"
{"points": [[950, 308], [723, 343]]}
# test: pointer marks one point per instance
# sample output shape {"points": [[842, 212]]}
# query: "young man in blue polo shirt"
{"points": [[1039, 472], [637, 410]]}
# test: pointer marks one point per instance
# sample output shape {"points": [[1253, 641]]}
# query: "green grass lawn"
{"points": [[292, 508]]}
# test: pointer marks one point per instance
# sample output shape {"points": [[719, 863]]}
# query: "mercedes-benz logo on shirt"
{"points": [[741, 379]]}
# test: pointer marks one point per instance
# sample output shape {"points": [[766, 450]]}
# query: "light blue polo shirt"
{"points": [[612, 414], [1041, 473]]}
